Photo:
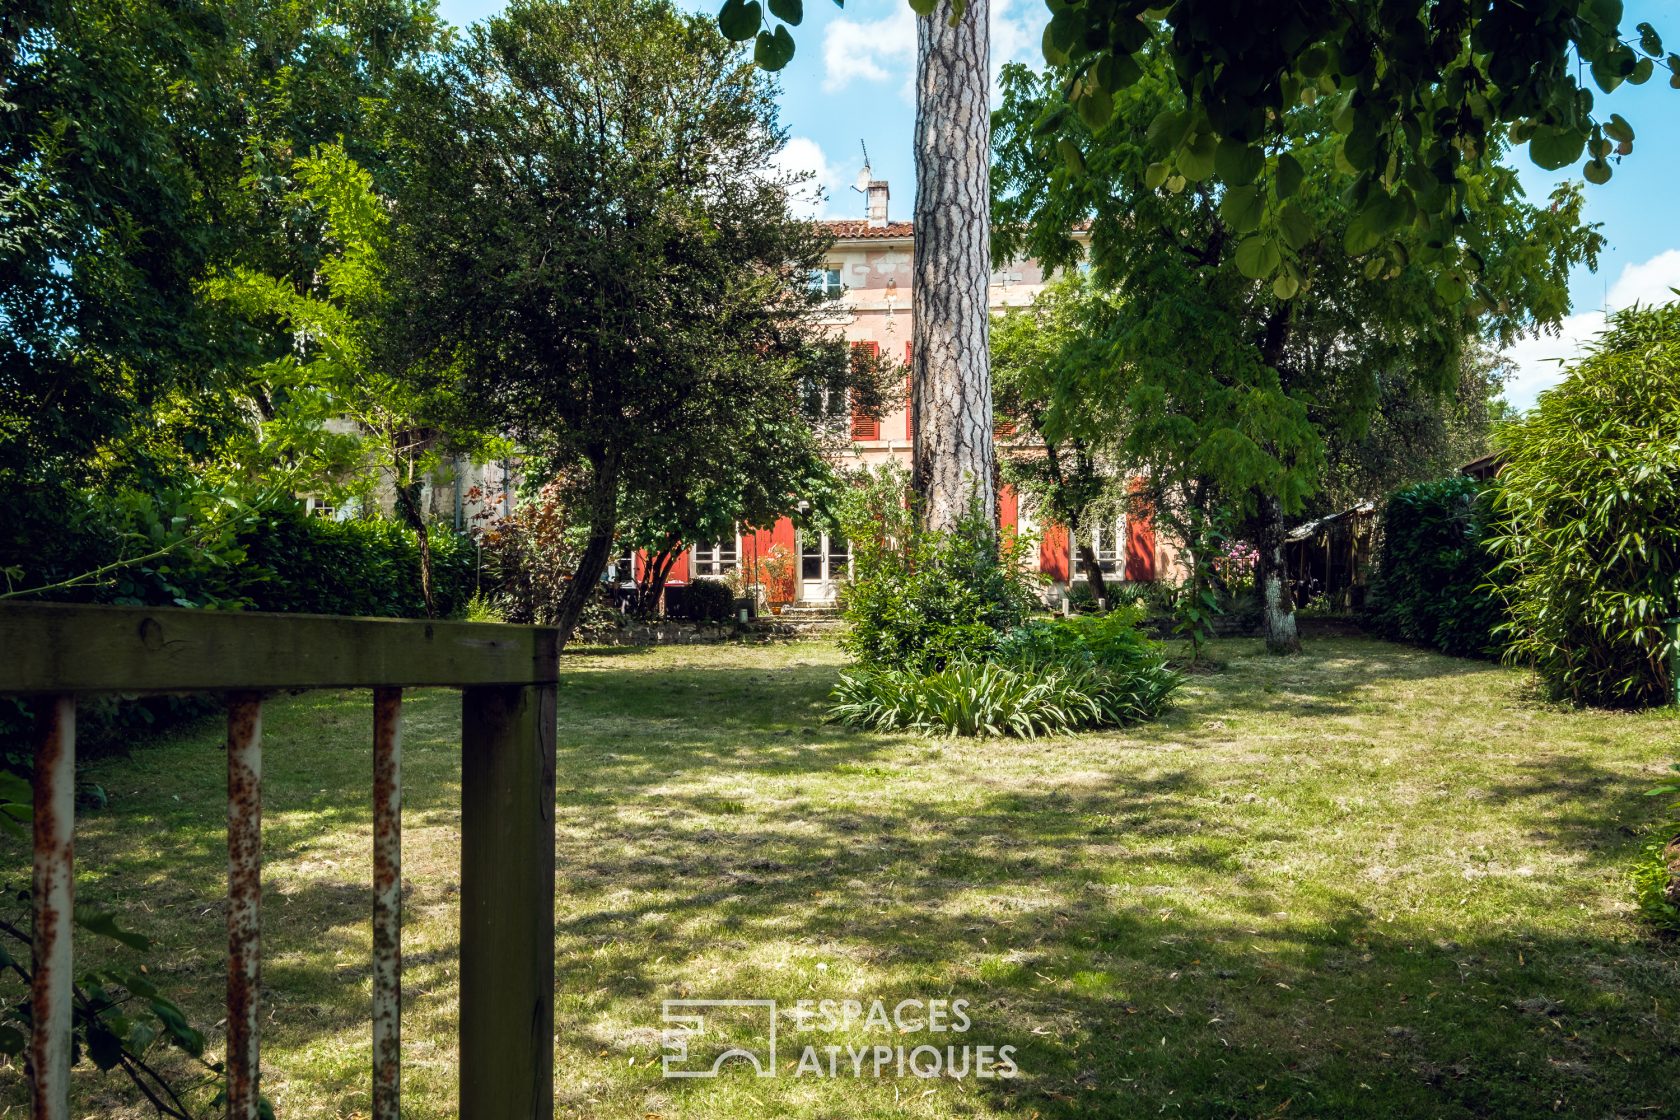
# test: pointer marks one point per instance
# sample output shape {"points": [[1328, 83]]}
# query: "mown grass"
{"points": [[1370, 881]]}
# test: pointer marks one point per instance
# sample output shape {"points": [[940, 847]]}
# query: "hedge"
{"points": [[1435, 576]]}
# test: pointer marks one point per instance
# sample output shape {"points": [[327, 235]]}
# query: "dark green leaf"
{"points": [[105, 925], [1554, 147], [739, 20], [1241, 208], [788, 11], [1288, 175], [1618, 129], [774, 50], [1237, 162]]}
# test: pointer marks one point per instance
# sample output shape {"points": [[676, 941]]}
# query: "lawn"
{"points": [[1369, 881]]}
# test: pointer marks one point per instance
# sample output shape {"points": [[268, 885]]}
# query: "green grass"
{"points": [[1370, 881]]}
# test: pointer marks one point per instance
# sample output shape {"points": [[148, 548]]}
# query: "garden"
{"points": [[342, 349], [1371, 881]]}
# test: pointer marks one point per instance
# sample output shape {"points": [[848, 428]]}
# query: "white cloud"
{"points": [[873, 51], [884, 50], [1537, 359], [813, 198]]}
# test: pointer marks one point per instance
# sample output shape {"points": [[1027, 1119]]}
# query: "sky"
{"points": [[849, 87]]}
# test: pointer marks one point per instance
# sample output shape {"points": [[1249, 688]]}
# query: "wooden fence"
{"points": [[54, 654]]}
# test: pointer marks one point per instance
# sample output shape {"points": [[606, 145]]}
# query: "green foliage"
{"points": [[1434, 578], [706, 600], [118, 1016], [598, 236], [147, 143], [1589, 518], [1423, 92], [1045, 677], [920, 598], [1656, 875]]}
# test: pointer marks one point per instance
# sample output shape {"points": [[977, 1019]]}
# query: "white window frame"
{"points": [[1113, 562], [705, 560], [828, 282]]}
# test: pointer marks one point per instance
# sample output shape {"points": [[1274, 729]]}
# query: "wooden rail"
{"points": [[507, 674]]}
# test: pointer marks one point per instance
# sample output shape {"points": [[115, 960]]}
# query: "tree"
{"points": [[143, 144], [753, 445], [1425, 89], [1587, 519], [1413, 433], [1040, 355], [951, 382], [342, 366], [602, 240], [1223, 344]]}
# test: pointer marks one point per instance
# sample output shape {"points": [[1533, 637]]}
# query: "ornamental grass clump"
{"points": [[1588, 511]]}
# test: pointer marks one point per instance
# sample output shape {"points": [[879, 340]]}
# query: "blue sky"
{"points": [[850, 83]]}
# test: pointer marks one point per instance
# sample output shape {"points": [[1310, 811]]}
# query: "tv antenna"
{"points": [[866, 175]]}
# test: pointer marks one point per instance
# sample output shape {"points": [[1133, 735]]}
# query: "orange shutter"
{"points": [[864, 427]]}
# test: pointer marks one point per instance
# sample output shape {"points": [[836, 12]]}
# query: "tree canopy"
{"points": [[601, 239], [1224, 347]]}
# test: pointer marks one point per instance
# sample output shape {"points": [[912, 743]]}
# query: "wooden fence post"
{"points": [[507, 902]]}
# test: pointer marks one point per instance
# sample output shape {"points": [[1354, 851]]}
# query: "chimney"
{"points": [[878, 195]]}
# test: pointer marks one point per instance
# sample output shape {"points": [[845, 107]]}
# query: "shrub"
{"points": [[1046, 677], [919, 599], [1434, 583], [1656, 877], [702, 600], [997, 698], [1589, 513]]}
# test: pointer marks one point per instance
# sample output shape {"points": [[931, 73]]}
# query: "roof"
{"points": [[855, 230]]}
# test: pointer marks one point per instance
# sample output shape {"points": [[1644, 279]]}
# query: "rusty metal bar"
{"points": [[387, 903], [54, 901], [244, 751]]}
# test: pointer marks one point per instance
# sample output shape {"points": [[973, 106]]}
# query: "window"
{"points": [[622, 569], [717, 558], [824, 401], [1108, 542], [826, 283], [824, 557]]}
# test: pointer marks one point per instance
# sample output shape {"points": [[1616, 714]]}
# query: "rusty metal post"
{"points": [[507, 903], [387, 903], [244, 751], [54, 905]]}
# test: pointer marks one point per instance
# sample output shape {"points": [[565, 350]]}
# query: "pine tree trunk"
{"points": [[951, 371], [1277, 605]]}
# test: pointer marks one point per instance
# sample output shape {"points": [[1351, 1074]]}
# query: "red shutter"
{"points": [[1009, 508], [865, 427], [1140, 538], [1053, 553]]}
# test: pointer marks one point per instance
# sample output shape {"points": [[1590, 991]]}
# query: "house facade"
{"points": [[868, 274]]}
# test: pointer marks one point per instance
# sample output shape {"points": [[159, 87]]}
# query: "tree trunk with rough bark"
{"points": [[951, 371], [1277, 604]]}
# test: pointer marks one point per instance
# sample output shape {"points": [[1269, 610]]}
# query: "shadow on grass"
{"points": [[1115, 907]]}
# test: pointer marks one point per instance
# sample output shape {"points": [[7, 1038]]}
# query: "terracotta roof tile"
{"points": [[856, 230]]}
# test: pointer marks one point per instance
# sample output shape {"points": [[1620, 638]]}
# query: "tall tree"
{"points": [[342, 366], [951, 380], [601, 236], [1224, 343]]}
